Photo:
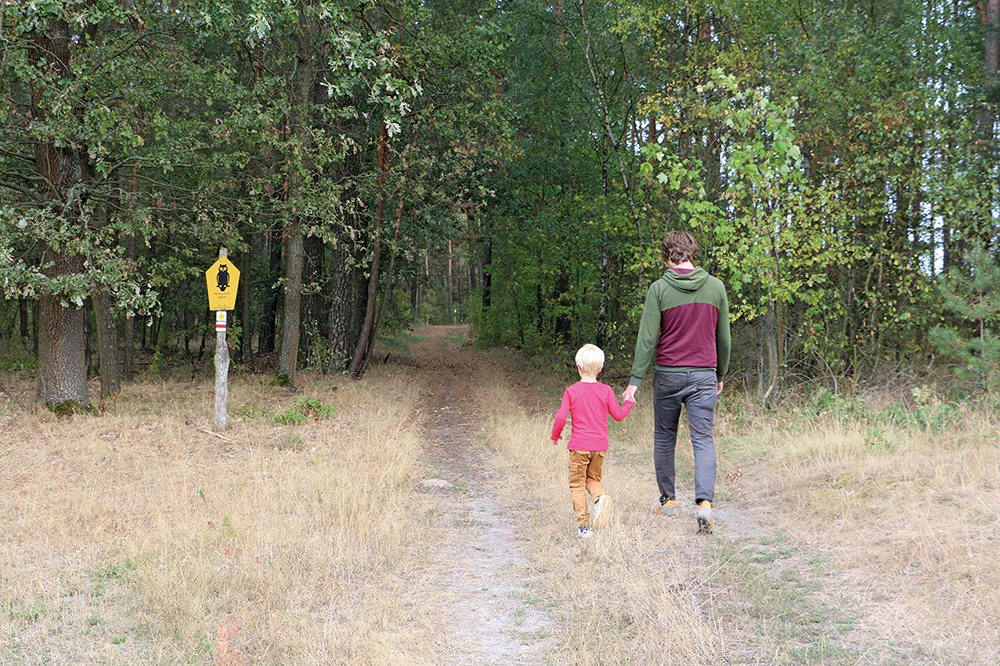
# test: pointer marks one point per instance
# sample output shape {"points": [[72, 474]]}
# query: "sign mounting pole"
{"points": [[222, 280]]}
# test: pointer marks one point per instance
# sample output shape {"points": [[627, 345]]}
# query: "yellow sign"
{"points": [[223, 279]]}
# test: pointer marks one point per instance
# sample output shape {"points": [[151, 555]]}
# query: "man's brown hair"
{"points": [[678, 247]]}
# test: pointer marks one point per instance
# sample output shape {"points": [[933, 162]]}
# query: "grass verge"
{"points": [[137, 538]]}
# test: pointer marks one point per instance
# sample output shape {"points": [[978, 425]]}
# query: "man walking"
{"points": [[684, 332]]}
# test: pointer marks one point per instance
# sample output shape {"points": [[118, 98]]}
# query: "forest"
{"points": [[512, 165]]}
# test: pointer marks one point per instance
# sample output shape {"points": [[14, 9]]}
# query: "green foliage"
{"points": [[830, 161], [13, 356], [302, 410], [824, 402], [877, 442], [974, 297], [926, 413]]}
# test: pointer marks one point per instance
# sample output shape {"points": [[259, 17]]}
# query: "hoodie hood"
{"points": [[688, 281]]}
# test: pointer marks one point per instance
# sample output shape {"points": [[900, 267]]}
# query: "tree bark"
{"points": [[451, 305], [266, 337], [302, 83], [248, 323], [107, 343], [361, 348], [62, 367], [312, 299], [602, 306], [487, 261], [339, 325], [22, 308], [289, 353]]}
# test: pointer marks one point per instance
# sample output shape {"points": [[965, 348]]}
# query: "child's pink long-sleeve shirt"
{"points": [[589, 403]]}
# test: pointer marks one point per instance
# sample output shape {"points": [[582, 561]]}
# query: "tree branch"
{"points": [[23, 190]]}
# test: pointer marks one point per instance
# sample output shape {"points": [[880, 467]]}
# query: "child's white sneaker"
{"points": [[602, 510], [584, 532]]}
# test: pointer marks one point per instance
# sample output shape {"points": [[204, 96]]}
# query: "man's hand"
{"points": [[720, 388], [629, 394]]}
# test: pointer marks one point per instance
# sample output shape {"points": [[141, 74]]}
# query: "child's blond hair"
{"points": [[590, 359]]}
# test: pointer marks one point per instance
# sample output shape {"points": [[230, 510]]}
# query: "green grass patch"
{"points": [[783, 596], [302, 410]]}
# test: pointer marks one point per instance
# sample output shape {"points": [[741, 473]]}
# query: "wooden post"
{"points": [[221, 366]]}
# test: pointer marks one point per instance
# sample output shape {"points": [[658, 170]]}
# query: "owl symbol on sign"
{"points": [[222, 279]]}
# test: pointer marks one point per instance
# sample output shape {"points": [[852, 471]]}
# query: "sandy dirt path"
{"points": [[483, 592], [486, 594]]}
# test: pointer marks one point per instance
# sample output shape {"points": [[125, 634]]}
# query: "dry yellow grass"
{"points": [[841, 542], [909, 516], [135, 537]]}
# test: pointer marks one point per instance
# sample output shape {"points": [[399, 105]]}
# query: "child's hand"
{"points": [[556, 441]]}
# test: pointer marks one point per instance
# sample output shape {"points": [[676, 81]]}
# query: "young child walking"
{"points": [[587, 403]]}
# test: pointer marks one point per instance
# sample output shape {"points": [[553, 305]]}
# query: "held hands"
{"points": [[629, 395]]}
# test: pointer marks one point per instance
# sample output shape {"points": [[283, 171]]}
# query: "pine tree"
{"points": [[974, 298]]}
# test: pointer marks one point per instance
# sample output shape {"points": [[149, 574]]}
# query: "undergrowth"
{"points": [[302, 410]]}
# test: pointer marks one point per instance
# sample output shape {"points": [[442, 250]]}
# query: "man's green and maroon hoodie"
{"points": [[684, 325]]}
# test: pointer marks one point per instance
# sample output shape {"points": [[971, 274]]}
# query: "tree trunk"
{"points": [[209, 326], [132, 251], [487, 277], [128, 356], [22, 308], [107, 343], [414, 298], [451, 306], [361, 348], [62, 367], [562, 323], [288, 355], [299, 117], [602, 307], [987, 116], [248, 323], [266, 337], [343, 278], [107, 327], [339, 327], [312, 299]]}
